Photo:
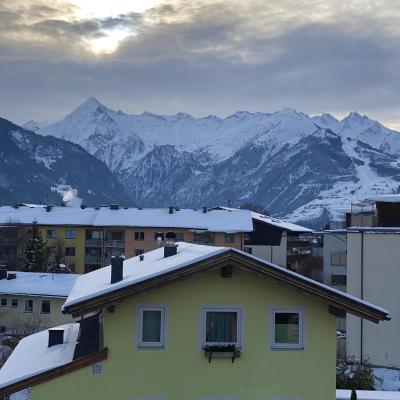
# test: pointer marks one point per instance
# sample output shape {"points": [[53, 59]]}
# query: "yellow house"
{"points": [[188, 322]]}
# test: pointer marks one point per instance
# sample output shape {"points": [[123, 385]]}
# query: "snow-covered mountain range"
{"points": [[37, 169], [293, 164]]}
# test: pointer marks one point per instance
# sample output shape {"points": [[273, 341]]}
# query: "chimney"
{"points": [[117, 263], [56, 336], [141, 257], [170, 248], [171, 210], [204, 210]]}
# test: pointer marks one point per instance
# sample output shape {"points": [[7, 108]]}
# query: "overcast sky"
{"points": [[200, 56]]}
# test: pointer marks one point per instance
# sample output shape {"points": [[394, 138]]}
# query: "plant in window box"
{"points": [[221, 351]]}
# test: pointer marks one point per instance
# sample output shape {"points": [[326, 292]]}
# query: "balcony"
{"points": [[120, 244], [8, 241], [93, 242], [93, 259]]}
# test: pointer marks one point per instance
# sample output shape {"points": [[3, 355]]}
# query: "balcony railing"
{"points": [[11, 241], [93, 242], [115, 243], [92, 258]]}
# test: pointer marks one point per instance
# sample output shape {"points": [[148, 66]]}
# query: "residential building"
{"points": [[9, 242], [373, 273], [32, 301], [335, 258], [189, 322], [88, 237]]}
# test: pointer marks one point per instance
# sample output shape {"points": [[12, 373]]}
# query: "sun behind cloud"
{"points": [[111, 37]]}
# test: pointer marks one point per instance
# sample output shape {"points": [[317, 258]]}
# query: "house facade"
{"points": [[32, 301], [190, 322]]}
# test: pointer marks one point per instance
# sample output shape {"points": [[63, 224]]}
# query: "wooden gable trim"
{"points": [[54, 373], [243, 262]]}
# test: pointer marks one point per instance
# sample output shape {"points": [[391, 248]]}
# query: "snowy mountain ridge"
{"points": [[291, 163]]}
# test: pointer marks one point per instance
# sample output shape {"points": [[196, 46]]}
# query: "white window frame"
{"points": [[302, 323], [222, 308], [162, 344]]}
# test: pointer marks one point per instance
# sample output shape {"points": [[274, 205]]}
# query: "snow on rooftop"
{"points": [[97, 283], [367, 395], [38, 284], [212, 220], [385, 198], [279, 223], [41, 358]]}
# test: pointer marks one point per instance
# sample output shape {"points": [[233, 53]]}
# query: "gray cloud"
{"points": [[209, 57]]}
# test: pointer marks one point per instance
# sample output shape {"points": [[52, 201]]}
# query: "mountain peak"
{"points": [[90, 105]]}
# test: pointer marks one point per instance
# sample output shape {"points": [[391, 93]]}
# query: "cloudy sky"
{"points": [[200, 56]]}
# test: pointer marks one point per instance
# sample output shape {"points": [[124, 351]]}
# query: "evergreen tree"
{"points": [[35, 255]]}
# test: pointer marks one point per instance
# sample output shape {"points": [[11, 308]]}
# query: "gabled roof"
{"points": [[94, 290], [38, 284]]}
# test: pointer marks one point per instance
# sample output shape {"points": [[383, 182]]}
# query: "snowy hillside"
{"points": [[291, 163]]}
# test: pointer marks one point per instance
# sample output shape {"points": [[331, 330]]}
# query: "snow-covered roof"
{"points": [[212, 220], [32, 356], [287, 226], [38, 284], [97, 283], [367, 395], [279, 223], [385, 198]]}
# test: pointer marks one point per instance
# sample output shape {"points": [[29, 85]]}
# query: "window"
{"points": [[229, 238], [180, 237], [138, 252], [70, 234], [222, 325], [51, 234], [45, 307], [139, 235], [151, 325], [339, 258], [248, 250], [115, 235], [158, 234], [340, 280], [203, 237], [93, 234], [96, 369], [28, 306], [70, 251], [14, 302], [287, 329], [3, 302]]}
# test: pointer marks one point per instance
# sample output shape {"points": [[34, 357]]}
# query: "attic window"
{"points": [[287, 327], [222, 325], [151, 326]]}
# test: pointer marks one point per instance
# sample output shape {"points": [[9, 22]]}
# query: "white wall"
{"points": [[274, 254], [381, 286]]}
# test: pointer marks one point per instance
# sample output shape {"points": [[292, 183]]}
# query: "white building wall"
{"points": [[333, 243], [274, 254], [379, 283]]}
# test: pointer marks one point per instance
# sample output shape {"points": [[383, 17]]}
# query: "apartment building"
{"points": [[189, 322], [89, 237]]}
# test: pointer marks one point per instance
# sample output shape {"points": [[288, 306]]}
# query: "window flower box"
{"points": [[221, 351]]}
